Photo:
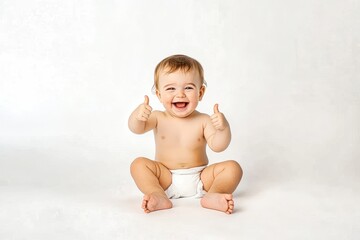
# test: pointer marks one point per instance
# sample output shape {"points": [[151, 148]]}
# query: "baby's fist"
{"points": [[144, 110], [218, 119]]}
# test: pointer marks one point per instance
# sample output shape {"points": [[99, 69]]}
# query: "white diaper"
{"points": [[186, 183]]}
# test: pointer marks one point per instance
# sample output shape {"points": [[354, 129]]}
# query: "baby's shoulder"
{"points": [[160, 116], [202, 117], [158, 113]]}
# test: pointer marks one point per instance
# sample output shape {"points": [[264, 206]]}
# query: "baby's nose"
{"points": [[181, 94]]}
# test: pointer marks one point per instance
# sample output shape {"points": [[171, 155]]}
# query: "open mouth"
{"points": [[180, 104]]}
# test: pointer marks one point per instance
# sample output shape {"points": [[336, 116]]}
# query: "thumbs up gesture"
{"points": [[218, 119], [144, 110]]}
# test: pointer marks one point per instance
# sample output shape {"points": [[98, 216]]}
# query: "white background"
{"points": [[285, 73]]}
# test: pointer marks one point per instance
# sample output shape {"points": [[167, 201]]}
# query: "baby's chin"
{"points": [[177, 114]]}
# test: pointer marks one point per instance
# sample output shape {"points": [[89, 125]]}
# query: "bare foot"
{"points": [[218, 201], [155, 201]]}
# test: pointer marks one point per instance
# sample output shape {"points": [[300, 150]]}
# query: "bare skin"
{"points": [[155, 201], [181, 136], [218, 201]]}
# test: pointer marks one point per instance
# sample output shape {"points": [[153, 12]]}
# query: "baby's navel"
{"points": [[199, 140], [163, 137]]}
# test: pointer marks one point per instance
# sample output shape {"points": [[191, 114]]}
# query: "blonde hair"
{"points": [[178, 62]]}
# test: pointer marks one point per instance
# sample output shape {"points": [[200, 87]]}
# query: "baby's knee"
{"points": [[235, 167], [138, 162]]}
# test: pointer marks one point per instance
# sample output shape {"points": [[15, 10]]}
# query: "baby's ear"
{"points": [[158, 94], [202, 92]]}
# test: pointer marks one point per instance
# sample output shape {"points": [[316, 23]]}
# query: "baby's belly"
{"points": [[179, 159]]}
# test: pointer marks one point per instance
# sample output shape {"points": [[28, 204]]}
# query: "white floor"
{"points": [[44, 198]]}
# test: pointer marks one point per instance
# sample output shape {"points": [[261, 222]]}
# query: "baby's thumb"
{"points": [[216, 108], [146, 100]]}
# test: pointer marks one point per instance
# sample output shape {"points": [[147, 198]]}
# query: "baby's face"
{"points": [[180, 92]]}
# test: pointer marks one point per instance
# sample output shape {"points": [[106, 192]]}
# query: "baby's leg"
{"points": [[220, 181], [152, 178]]}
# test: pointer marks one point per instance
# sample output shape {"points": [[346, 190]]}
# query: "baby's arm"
{"points": [[217, 131], [142, 119]]}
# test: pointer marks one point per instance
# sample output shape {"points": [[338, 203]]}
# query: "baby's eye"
{"points": [[170, 89], [189, 88]]}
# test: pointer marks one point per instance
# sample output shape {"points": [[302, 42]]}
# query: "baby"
{"points": [[181, 135]]}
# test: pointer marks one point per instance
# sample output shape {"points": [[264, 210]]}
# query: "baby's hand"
{"points": [[218, 119], [144, 110]]}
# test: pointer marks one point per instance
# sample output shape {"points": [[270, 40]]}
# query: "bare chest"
{"points": [[180, 134]]}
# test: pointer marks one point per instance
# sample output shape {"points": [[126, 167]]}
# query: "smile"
{"points": [[180, 104]]}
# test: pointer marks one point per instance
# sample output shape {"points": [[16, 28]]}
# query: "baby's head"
{"points": [[178, 62]]}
